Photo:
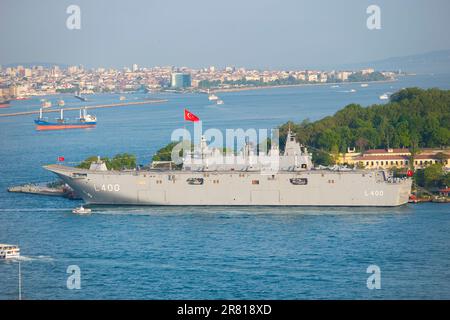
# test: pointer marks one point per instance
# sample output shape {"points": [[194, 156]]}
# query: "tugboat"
{"points": [[81, 210], [84, 121], [9, 251]]}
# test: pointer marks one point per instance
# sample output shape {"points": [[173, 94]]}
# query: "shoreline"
{"points": [[299, 85]]}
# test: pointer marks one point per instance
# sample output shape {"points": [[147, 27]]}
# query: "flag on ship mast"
{"points": [[189, 116]]}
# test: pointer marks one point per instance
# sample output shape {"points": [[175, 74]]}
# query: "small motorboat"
{"points": [[81, 210], [384, 96], [9, 251]]}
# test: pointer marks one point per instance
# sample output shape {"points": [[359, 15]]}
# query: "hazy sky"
{"points": [[196, 33]]}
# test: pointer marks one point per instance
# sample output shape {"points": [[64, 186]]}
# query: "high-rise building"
{"points": [[180, 80], [135, 67]]}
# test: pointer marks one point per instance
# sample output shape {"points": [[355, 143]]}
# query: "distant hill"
{"points": [[431, 62]]}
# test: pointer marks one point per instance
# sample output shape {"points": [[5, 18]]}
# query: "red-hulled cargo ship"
{"points": [[4, 103], [84, 121]]}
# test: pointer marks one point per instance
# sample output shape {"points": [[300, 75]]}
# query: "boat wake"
{"points": [[34, 258], [35, 209]]}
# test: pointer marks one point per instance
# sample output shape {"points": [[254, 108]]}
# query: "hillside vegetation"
{"points": [[414, 118]]}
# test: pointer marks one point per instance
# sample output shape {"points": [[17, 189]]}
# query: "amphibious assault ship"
{"points": [[287, 179]]}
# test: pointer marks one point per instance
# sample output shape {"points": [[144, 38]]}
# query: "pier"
{"points": [[113, 105], [57, 189]]}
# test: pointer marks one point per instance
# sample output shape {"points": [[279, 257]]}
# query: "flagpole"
{"points": [[20, 283]]}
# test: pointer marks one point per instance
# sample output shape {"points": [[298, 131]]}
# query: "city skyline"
{"points": [[262, 34]]}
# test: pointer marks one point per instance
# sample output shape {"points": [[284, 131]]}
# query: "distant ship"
{"points": [[219, 101], [364, 85], [353, 90], [80, 97], [212, 97], [4, 103], [384, 96], [84, 121], [122, 98]]}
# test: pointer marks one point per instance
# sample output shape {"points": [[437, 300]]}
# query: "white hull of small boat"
{"points": [[81, 211], [8, 251]]}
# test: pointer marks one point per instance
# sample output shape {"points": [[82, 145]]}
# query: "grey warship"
{"points": [[205, 182]]}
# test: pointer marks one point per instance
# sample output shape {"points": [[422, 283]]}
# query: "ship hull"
{"points": [[63, 127], [43, 125], [322, 188]]}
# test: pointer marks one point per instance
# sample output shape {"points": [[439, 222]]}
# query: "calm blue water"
{"points": [[201, 253]]}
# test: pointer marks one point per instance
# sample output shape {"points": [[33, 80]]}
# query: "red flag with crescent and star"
{"points": [[189, 116]]}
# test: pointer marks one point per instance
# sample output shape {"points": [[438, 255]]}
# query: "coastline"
{"points": [[299, 85]]}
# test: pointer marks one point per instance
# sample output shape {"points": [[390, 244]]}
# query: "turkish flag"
{"points": [[409, 173], [188, 116], [60, 159]]}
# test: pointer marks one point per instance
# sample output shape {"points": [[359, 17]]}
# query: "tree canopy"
{"points": [[118, 162], [414, 118]]}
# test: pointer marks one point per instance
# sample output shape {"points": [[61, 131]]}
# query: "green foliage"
{"points": [[122, 161], [359, 77], [87, 162], [433, 177], [322, 158], [413, 118], [119, 162], [165, 153]]}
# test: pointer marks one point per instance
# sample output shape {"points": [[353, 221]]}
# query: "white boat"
{"points": [[384, 96], [335, 86], [213, 97], [364, 85], [353, 90], [9, 251], [81, 210], [121, 98], [219, 101]]}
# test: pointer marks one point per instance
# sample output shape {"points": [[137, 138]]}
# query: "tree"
{"points": [[165, 153], [322, 158], [432, 175], [123, 161], [86, 164]]}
